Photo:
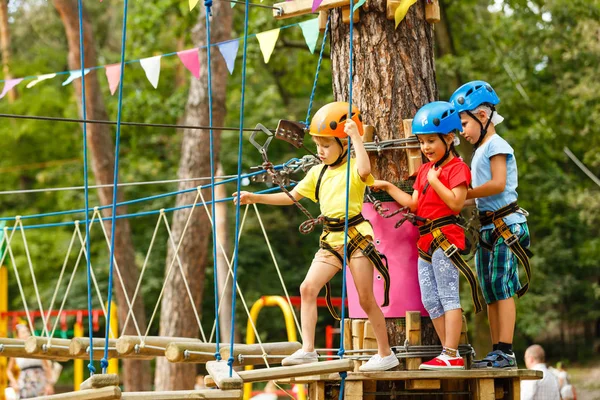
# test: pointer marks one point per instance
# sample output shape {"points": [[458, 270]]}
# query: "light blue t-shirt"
{"points": [[482, 173]]}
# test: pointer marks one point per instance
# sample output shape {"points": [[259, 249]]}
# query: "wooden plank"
{"points": [[348, 342], [127, 344], [414, 155], [320, 368], [301, 7], [106, 393], [358, 335], [483, 389], [316, 391], [413, 333], [432, 12], [353, 390], [423, 384], [98, 381], [219, 371], [184, 395]]}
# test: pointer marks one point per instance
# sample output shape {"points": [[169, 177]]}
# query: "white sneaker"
{"points": [[378, 363], [300, 357]]}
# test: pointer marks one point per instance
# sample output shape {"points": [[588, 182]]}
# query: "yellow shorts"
{"points": [[325, 256]]}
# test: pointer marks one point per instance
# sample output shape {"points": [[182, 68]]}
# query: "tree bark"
{"points": [[5, 49], [136, 374], [176, 314], [393, 74]]}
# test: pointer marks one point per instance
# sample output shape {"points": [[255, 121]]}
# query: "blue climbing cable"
{"points": [[230, 360], [104, 361], [208, 5], [91, 367], [314, 88], [341, 352]]}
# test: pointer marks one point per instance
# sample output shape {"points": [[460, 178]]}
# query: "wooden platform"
{"points": [[447, 385]]}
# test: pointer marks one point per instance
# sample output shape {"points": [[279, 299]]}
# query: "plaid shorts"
{"points": [[498, 270]]}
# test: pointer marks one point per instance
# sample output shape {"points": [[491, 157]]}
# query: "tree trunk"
{"points": [[393, 75], [177, 318], [5, 49], [136, 374]]}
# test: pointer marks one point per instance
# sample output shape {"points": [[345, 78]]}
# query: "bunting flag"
{"points": [[316, 4], [402, 10], [189, 58], [9, 84], [310, 30], [359, 4], [39, 79], [193, 3], [113, 74], [75, 75], [267, 41], [229, 52], [151, 66]]}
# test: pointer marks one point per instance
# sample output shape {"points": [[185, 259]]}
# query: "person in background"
{"points": [[542, 389]]}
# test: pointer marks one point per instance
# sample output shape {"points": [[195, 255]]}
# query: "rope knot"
{"points": [[208, 4], [104, 363], [309, 225]]}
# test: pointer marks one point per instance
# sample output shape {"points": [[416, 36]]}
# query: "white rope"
{"points": [[187, 222], [287, 296], [14, 264], [139, 283], [581, 166]]}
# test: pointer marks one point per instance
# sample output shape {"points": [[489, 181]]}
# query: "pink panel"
{"points": [[400, 247]]}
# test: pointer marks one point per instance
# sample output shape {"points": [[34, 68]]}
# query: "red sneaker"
{"points": [[443, 362]]}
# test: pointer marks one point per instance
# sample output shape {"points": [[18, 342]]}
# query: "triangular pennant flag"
{"points": [[359, 4], [267, 41], [113, 74], [76, 74], [402, 10], [229, 52], [310, 30], [189, 58], [193, 3], [151, 66], [316, 4], [39, 79], [9, 84]]}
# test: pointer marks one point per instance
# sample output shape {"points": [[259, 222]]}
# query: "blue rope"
{"points": [[90, 366], [230, 360], [341, 352], [208, 5], [104, 361], [314, 88]]}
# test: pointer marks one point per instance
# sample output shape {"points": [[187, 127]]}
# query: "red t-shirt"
{"points": [[431, 206]]}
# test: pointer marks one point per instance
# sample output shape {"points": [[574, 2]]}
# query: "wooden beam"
{"points": [[184, 395], [301, 7], [316, 391], [353, 390], [423, 384], [79, 345], [98, 381], [483, 389], [414, 155], [358, 335], [413, 334], [219, 371], [346, 15], [177, 352], [268, 374], [127, 344], [323, 16], [369, 386], [432, 12], [38, 347], [106, 393]]}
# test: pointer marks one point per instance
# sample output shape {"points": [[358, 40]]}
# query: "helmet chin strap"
{"points": [[483, 129], [342, 155], [445, 157]]}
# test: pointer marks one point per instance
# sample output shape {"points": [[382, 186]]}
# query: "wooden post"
{"points": [[358, 334], [483, 389], [369, 386], [348, 345], [414, 155], [432, 11], [346, 15], [323, 16], [353, 390], [369, 341], [413, 333], [316, 390]]}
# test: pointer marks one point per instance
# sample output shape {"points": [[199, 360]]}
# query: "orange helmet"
{"points": [[329, 121]]}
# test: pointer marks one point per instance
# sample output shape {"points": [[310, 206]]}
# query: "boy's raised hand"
{"points": [[351, 129], [380, 185], [244, 197]]}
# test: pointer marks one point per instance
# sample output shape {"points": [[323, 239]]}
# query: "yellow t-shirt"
{"points": [[332, 196]]}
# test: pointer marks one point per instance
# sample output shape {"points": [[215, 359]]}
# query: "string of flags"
{"points": [[189, 58]]}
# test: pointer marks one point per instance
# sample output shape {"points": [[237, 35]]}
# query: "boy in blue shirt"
{"points": [[504, 235]]}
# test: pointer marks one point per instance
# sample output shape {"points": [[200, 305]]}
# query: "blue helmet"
{"points": [[473, 94], [438, 117]]}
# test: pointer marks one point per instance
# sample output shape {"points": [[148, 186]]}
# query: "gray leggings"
{"points": [[439, 284]]}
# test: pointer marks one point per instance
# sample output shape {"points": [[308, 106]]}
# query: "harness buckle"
{"points": [[512, 239], [449, 252]]}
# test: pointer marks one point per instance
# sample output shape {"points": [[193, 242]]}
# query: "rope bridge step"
{"points": [[78, 348], [105, 393], [153, 345], [244, 354], [184, 395], [38, 347], [12, 348]]}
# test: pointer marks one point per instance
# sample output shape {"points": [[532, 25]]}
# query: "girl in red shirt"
{"points": [[440, 191]]}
